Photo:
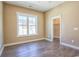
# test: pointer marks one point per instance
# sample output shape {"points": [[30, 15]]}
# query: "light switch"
{"points": [[75, 28]]}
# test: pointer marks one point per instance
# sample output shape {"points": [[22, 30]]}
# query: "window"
{"points": [[27, 25], [32, 25]]}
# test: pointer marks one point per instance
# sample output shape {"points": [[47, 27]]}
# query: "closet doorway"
{"points": [[56, 28]]}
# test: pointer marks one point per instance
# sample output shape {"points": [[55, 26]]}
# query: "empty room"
{"points": [[39, 28]]}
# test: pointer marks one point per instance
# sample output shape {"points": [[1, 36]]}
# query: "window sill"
{"points": [[27, 35]]}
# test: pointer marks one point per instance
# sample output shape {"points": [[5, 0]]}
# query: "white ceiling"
{"points": [[36, 5]]}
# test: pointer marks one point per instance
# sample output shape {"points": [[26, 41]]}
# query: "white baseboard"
{"points": [[68, 45], [1, 50], [48, 39], [10, 44]]}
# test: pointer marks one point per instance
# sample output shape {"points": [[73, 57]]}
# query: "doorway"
{"points": [[56, 28]]}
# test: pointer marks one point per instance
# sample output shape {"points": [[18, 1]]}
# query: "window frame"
{"points": [[27, 15]]}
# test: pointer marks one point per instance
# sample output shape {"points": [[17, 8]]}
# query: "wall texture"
{"points": [[69, 12], [1, 24], [10, 24]]}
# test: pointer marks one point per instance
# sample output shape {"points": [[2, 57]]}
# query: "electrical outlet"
{"points": [[72, 41]]}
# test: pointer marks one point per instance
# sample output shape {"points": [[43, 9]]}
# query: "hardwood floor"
{"points": [[39, 49]]}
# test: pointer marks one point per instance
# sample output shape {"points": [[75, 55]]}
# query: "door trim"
{"points": [[54, 17]]}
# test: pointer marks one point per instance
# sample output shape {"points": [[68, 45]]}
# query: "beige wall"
{"points": [[10, 24], [69, 12], [1, 24]]}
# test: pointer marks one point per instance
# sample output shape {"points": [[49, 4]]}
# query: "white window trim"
{"points": [[18, 13]]}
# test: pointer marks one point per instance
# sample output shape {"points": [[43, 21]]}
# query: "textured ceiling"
{"points": [[36, 5]]}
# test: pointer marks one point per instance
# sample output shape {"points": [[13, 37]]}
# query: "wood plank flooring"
{"points": [[41, 48]]}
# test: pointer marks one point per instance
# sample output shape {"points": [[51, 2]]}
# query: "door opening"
{"points": [[56, 28]]}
